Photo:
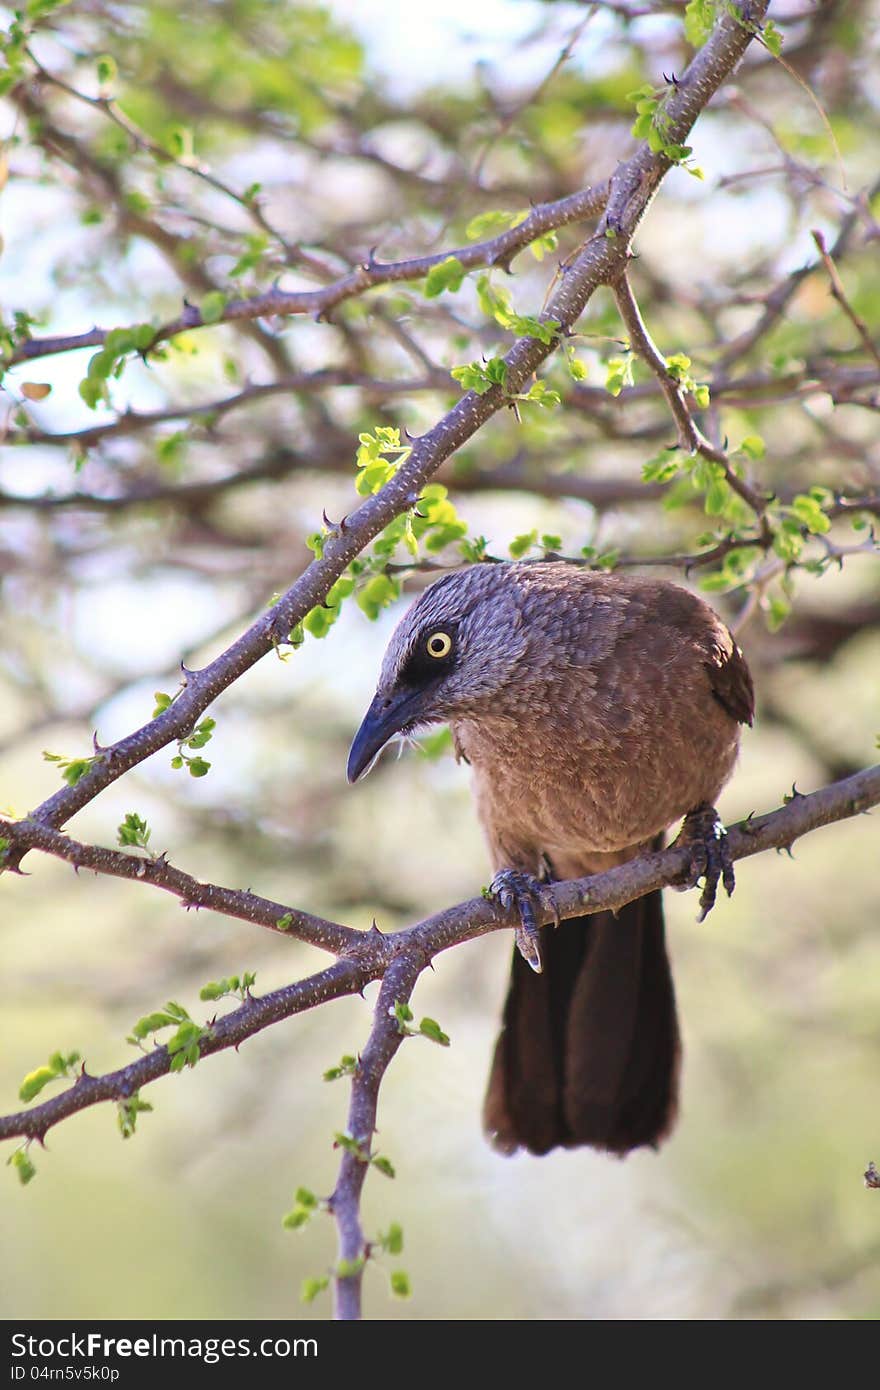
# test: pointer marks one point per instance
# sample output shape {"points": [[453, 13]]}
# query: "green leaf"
{"points": [[383, 1165], [448, 275], [717, 497], [662, 466], [488, 223], [618, 373], [400, 1285], [521, 544], [810, 514], [699, 17], [430, 1028], [133, 832], [310, 1288], [212, 306], [392, 1240], [772, 38], [35, 1081], [753, 446], [286, 922], [127, 1111], [23, 1166], [347, 1067]]}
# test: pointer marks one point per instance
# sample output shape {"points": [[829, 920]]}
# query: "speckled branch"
{"points": [[384, 1040], [400, 956], [498, 250]]}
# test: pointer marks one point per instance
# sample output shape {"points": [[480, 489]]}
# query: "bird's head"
{"points": [[452, 653]]}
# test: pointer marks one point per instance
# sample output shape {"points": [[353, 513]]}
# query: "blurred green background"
{"points": [[359, 120]]}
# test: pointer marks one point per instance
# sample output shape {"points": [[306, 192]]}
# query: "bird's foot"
{"points": [[710, 857], [514, 888]]}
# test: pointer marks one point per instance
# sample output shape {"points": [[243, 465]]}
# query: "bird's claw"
{"points": [[710, 858], [522, 891]]}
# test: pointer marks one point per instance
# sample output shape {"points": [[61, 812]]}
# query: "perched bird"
{"points": [[596, 710]]}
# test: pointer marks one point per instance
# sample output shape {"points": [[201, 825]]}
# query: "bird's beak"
{"points": [[387, 715]]}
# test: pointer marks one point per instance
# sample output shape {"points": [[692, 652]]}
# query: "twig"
{"points": [[691, 437], [158, 873], [839, 293]]}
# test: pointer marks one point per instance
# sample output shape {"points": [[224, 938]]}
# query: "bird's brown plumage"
{"points": [[595, 710]]}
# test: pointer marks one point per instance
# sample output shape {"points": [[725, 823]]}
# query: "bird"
{"points": [[596, 710]]}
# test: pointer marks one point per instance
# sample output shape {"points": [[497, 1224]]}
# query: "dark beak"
{"points": [[387, 715]]}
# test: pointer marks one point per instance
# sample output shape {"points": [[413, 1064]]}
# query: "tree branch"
{"points": [[23, 835], [384, 1040], [498, 250], [411, 949], [691, 437]]}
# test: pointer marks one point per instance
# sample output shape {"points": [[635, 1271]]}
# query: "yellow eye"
{"points": [[438, 645]]}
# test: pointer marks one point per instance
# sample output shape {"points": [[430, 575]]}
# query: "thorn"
{"points": [[375, 928], [331, 526], [670, 79], [343, 525], [98, 747]]}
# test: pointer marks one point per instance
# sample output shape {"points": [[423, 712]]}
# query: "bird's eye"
{"points": [[438, 645]]}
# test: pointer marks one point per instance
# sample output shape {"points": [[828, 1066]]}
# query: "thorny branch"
{"points": [[364, 956], [691, 437]]}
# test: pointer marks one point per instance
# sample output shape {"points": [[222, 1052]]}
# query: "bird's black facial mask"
{"points": [[407, 704]]}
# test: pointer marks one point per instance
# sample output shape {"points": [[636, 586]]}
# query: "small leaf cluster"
{"points": [[348, 1066], [359, 1149], [197, 767], [305, 1204], [428, 1028], [72, 769], [497, 303], [619, 373], [240, 986], [699, 17], [481, 376], [21, 1162], [380, 454], [127, 1111], [652, 124], [487, 224], [256, 245], [183, 1045], [679, 368], [133, 833], [110, 361], [59, 1064]]}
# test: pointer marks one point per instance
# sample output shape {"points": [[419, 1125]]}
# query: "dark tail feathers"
{"points": [[589, 1050]]}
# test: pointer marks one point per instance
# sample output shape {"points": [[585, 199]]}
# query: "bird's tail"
{"points": [[589, 1050]]}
